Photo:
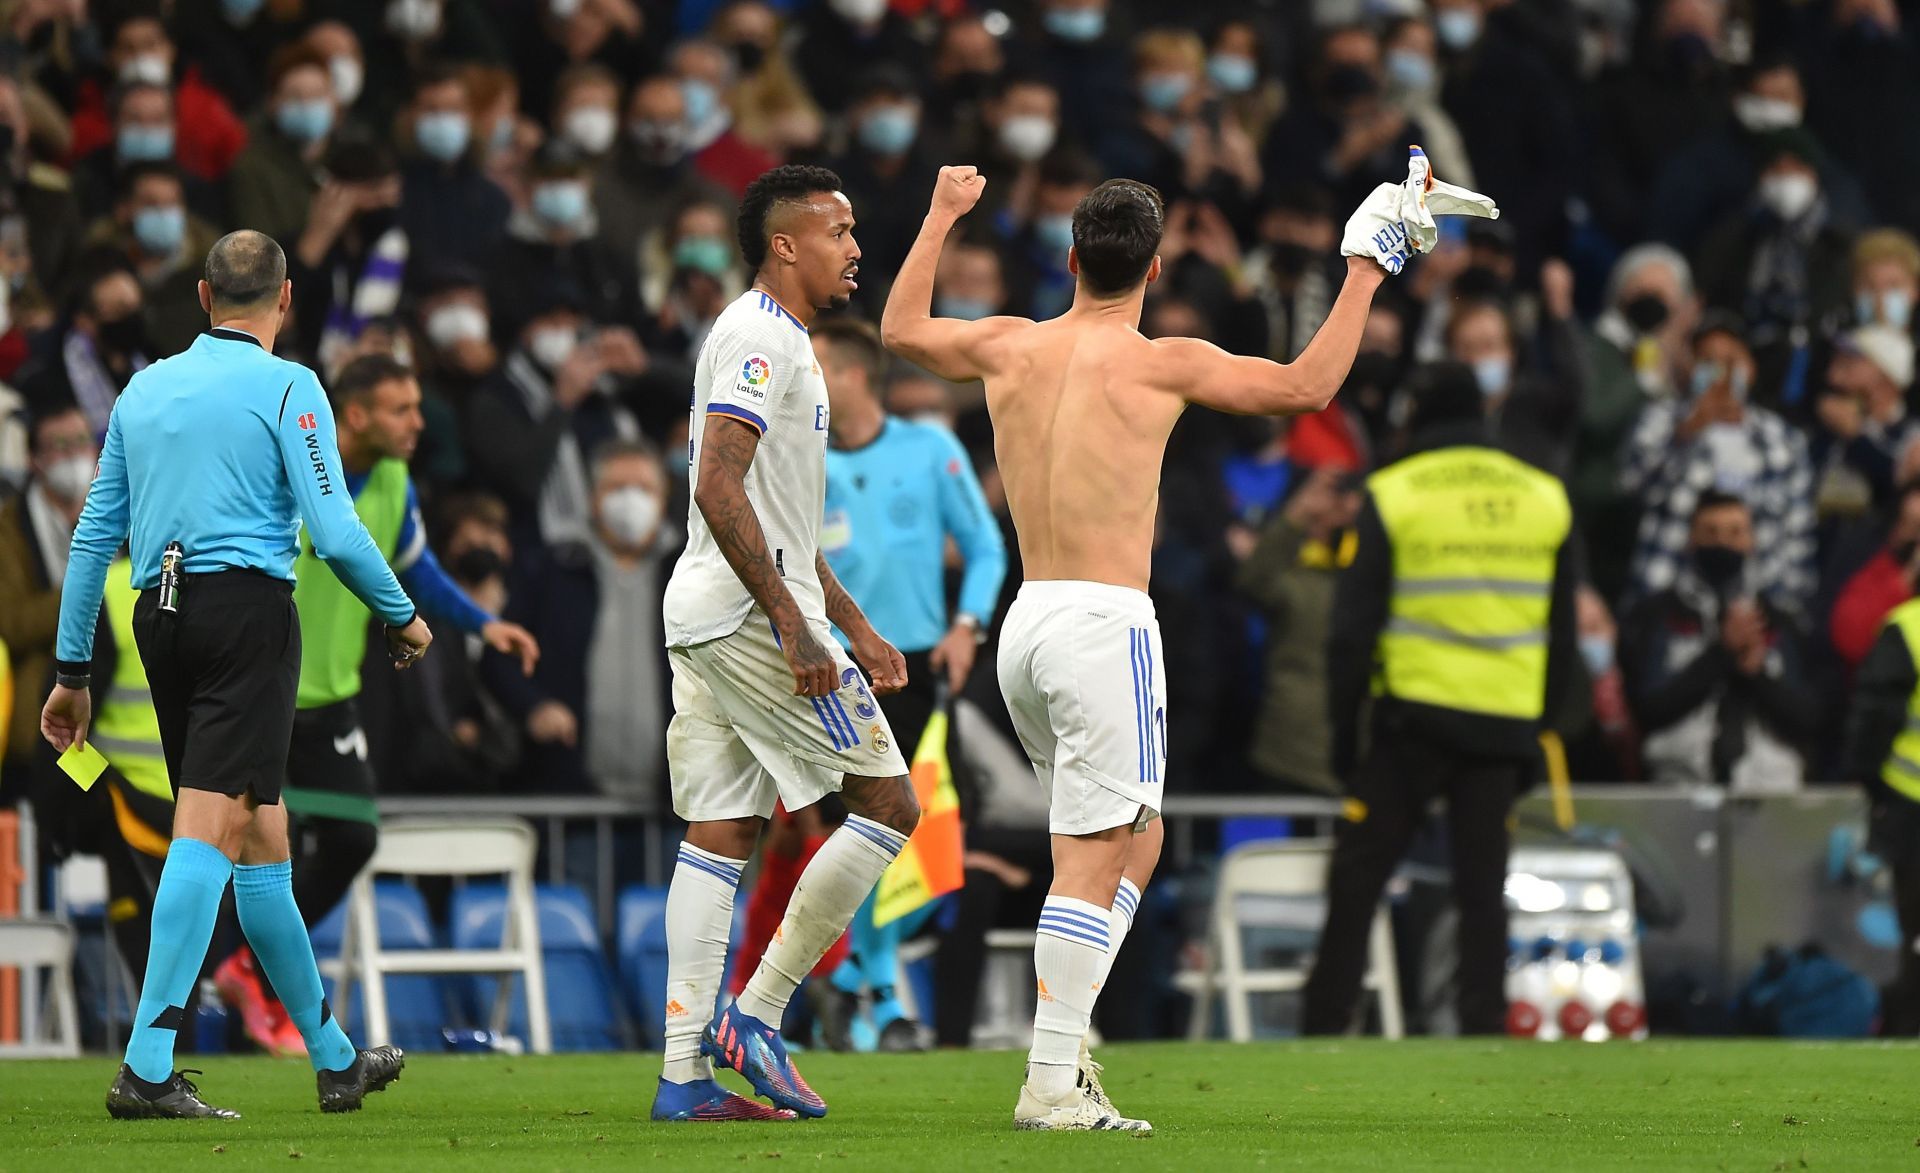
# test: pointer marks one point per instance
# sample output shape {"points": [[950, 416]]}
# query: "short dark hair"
{"points": [[858, 338], [790, 184], [358, 378], [1716, 499], [244, 269], [623, 448], [1116, 232], [127, 181]]}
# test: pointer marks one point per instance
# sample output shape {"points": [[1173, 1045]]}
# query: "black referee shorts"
{"points": [[328, 775], [224, 670]]}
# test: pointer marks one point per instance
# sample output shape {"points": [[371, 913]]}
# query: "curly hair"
{"points": [[791, 184]]}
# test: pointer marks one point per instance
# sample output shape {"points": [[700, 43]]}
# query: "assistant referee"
{"points": [[213, 458]]}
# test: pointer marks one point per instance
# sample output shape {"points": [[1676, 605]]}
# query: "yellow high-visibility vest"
{"points": [[1901, 770], [1475, 535], [125, 729]]}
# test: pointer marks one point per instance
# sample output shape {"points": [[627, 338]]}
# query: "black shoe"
{"points": [[372, 1070], [902, 1034], [834, 1010], [133, 1098]]}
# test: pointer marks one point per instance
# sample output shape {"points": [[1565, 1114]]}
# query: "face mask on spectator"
{"points": [[1597, 651], [1163, 92], [1646, 313], [451, 325], [1232, 72], [1760, 114], [1410, 71], [706, 254], [1291, 258], [967, 309], [1492, 374], [1788, 196], [702, 100], [561, 202], [1079, 25], [861, 12], [478, 564], [240, 13], [502, 136], [553, 346], [443, 134], [1894, 307], [1707, 375], [889, 130], [1457, 28], [563, 9], [144, 144], [305, 122], [1027, 137], [1718, 566], [126, 335], [148, 68], [348, 78], [1055, 233], [160, 231], [630, 515], [413, 20], [69, 477], [591, 128], [660, 142]]}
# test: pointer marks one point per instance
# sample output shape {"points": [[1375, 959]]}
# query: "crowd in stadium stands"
{"points": [[1698, 308]]}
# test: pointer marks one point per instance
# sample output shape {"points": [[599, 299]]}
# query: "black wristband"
{"points": [[72, 680]]}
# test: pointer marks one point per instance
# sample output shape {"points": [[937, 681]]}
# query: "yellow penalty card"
{"points": [[83, 763]]}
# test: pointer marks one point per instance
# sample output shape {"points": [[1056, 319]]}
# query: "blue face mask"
{"points": [[443, 135], [160, 231], [1055, 234], [1409, 70], [889, 130], [1163, 92], [1233, 73], [241, 12], [1597, 651], [1076, 24], [1894, 307], [144, 144], [1457, 28], [1492, 375], [967, 309], [562, 203], [705, 254], [702, 101], [305, 122]]}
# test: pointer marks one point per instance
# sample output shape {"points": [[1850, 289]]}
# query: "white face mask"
{"points": [[553, 346], [414, 20], [453, 324], [591, 128], [349, 77], [148, 68], [1760, 114], [68, 477], [631, 515], [1027, 137], [859, 11], [1789, 196]]}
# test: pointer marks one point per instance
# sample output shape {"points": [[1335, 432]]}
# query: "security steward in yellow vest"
{"points": [[1458, 600], [1882, 751]]}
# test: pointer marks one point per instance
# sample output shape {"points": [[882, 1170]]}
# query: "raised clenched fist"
{"points": [[957, 190]]}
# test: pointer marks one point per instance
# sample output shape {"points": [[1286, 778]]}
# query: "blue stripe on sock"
{"points": [[853, 735], [879, 837], [736, 870], [714, 870], [1126, 902], [1070, 933], [1080, 918]]}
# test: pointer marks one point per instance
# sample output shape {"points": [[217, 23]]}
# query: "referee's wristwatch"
{"points": [[972, 623]]}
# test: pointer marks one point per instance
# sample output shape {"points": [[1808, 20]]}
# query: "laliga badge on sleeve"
{"points": [[84, 764]]}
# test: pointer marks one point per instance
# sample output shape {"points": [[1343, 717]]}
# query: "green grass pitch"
{"points": [[1351, 1104]]}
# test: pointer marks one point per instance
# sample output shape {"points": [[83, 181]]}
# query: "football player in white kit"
{"points": [[767, 707]]}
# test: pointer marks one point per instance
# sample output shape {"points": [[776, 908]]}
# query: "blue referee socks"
{"points": [[263, 894], [184, 908]]}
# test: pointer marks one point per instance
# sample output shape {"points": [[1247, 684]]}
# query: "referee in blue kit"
{"points": [[213, 458]]}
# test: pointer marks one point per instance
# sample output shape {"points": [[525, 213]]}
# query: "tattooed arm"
{"points": [[881, 659], [725, 455], [841, 609]]}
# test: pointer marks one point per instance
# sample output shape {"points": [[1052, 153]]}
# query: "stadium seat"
{"points": [[1277, 883], [33, 945], [451, 847], [417, 1009], [580, 996], [640, 947]]}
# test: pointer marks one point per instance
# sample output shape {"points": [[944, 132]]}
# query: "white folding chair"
{"points": [[33, 945], [1286, 868], [450, 847]]}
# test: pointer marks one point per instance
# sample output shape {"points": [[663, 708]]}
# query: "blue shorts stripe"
{"points": [[846, 722], [1139, 705], [827, 723], [1072, 934], [1153, 741]]}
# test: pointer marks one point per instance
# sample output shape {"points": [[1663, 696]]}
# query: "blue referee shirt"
{"points": [[225, 449], [890, 508]]}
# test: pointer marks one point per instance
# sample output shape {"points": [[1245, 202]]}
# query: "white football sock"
{"points": [[1126, 901], [842, 872], [699, 926], [1070, 953]]}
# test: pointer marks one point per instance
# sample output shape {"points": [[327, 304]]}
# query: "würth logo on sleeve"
{"points": [[320, 476], [308, 422]]}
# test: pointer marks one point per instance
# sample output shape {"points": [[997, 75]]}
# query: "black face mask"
{"points": [[970, 86], [1346, 82], [125, 336], [1479, 283], [478, 564], [1371, 368], [1290, 259], [1718, 566], [1903, 553], [750, 56], [1646, 313]]}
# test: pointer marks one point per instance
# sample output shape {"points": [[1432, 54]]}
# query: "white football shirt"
{"points": [[757, 366]]}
